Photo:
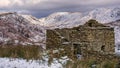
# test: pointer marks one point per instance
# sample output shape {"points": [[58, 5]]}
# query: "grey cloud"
{"points": [[41, 8]]}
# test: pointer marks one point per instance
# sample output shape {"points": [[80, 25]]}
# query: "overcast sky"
{"points": [[42, 8]]}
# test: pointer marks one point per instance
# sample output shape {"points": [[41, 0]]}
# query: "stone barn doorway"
{"points": [[77, 50]]}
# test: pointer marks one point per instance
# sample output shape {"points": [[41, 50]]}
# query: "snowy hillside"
{"points": [[104, 15], [68, 19], [62, 20], [20, 29]]}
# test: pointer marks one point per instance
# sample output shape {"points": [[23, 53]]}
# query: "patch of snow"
{"points": [[31, 19], [16, 41], [65, 43], [22, 63], [55, 51]]}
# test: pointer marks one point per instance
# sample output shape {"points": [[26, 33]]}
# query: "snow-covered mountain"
{"points": [[68, 19], [62, 20], [20, 29]]}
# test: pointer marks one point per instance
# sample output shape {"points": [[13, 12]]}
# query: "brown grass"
{"points": [[19, 51], [87, 63], [89, 59], [35, 52]]}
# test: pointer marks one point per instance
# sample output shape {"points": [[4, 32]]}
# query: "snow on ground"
{"points": [[22, 63]]}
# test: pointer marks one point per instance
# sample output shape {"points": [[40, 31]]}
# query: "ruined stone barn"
{"points": [[92, 36]]}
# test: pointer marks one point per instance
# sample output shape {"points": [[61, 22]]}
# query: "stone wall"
{"points": [[92, 36]]}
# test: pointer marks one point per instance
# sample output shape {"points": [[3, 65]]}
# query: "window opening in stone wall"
{"points": [[90, 24], [77, 49], [103, 47]]}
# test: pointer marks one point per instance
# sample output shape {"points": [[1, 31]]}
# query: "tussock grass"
{"points": [[36, 52], [89, 63], [90, 59], [19, 51]]}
